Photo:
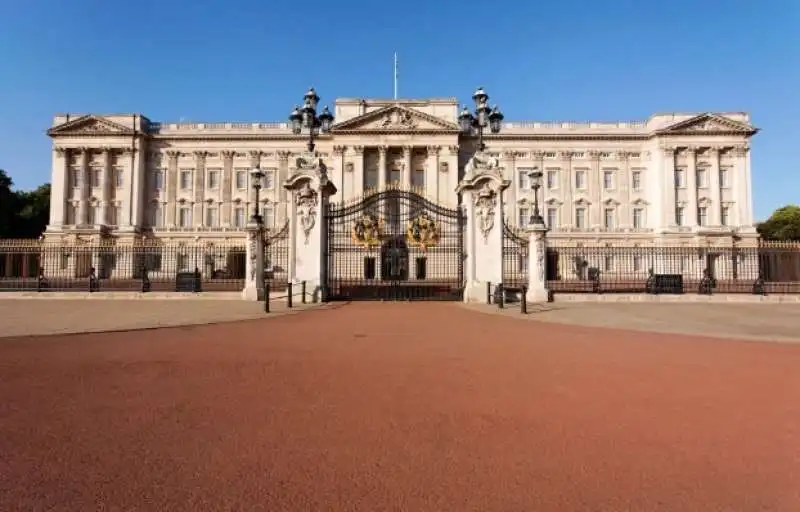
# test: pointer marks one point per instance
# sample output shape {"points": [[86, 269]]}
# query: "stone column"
{"points": [[86, 188], [60, 188], [568, 187], [382, 171], [358, 172], [254, 272], [172, 186], [625, 214], [108, 184], [537, 264], [714, 187], [595, 184], [668, 194], [691, 186], [227, 186], [512, 192], [338, 152], [739, 185], [311, 190], [199, 187], [255, 161], [283, 194], [405, 173], [432, 173], [452, 177]]}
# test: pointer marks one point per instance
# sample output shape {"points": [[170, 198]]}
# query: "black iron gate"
{"points": [[394, 245], [515, 257]]}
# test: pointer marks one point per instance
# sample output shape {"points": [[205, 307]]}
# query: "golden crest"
{"points": [[367, 231], [423, 232]]}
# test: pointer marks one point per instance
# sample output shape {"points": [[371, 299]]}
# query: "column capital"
{"points": [[359, 150], [283, 155], [200, 155], [255, 157], [339, 150], [690, 150], [594, 155], [453, 150], [741, 150], [127, 151], [566, 154], [537, 154], [433, 150], [407, 150], [228, 154], [173, 154], [61, 151], [669, 150], [623, 155], [382, 150], [510, 154]]}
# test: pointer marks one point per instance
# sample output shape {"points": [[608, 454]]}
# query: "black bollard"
{"points": [[501, 299], [289, 295], [523, 301], [266, 296], [488, 292], [303, 292]]}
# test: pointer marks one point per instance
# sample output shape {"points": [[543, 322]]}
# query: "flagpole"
{"points": [[395, 75]]}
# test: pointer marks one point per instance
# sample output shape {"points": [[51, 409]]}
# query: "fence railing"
{"points": [[35, 266], [767, 269]]}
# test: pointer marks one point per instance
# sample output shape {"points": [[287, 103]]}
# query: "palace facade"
{"points": [[685, 177]]}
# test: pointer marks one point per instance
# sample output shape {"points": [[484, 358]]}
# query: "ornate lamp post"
{"points": [[306, 117], [484, 116], [256, 175], [536, 184]]}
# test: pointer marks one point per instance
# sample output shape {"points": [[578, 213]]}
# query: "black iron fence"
{"points": [[30, 265], [766, 269], [515, 257]]}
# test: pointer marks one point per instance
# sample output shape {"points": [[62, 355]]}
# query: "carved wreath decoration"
{"points": [[423, 232], [367, 231]]}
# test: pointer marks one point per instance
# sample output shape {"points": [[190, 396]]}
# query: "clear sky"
{"points": [[248, 60]]}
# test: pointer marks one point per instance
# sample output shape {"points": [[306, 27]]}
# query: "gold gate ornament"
{"points": [[423, 232], [367, 232]]}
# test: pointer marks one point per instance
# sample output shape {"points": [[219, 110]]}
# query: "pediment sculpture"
{"points": [[306, 201], [485, 205], [398, 119]]}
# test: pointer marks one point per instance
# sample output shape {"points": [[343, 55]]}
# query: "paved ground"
{"points": [[408, 406], [61, 316], [756, 321]]}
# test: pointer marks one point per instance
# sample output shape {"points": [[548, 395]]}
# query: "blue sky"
{"points": [[248, 60]]}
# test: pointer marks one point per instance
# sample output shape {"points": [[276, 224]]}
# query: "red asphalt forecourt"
{"points": [[407, 407]]}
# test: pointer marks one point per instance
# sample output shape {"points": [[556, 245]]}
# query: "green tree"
{"points": [[782, 225], [22, 214]]}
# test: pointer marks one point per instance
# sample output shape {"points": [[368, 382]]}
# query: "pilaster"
{"points": [[108, 183], [382, 170], [452, 177], [86, 187], [339, 155], [405, 177], [432, 173], [59, 189], [512, 192], [537, 263], [358, 171], [691, 186], [227, 186], [199, 187], [595, 184], [283, 194], [172, 186], [625, 214], [568, 186], [669, 193], [714, 187]]}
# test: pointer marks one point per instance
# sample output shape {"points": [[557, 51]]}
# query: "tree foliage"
{"points": [[783, 224], [23, 214]]}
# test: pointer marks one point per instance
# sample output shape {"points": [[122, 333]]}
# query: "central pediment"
{"points": [[90, 125], [394, 118], [709, 123]]}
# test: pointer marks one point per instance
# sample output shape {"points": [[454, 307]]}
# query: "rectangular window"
{"points": [[608, 219], [524, 179], [680, 178], [97, 177], [552, 179], [269, 216], [186, 179], [702, 216], [213, 179], [269, 179], [211, 217], [369, 267], [238, 217], [241, 179], [702, 177], [158, 179], [638, 218], [636, 180], [370, 179], [394, 176], [523, 217], [724, 178], [155, 216], [418, 178], [118, 176], [608, 263], [72, 213], [608, 180], [679, 216], [185, 217], [552, 217], [580, 218], [580, 180], [725, 216]]}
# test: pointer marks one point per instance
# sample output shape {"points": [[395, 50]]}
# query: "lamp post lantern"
{"points": [[483, 117], [256, 175], [536, 184], [306, 117]]}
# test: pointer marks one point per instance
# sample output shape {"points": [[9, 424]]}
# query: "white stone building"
{"points": [[683, 177]]}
